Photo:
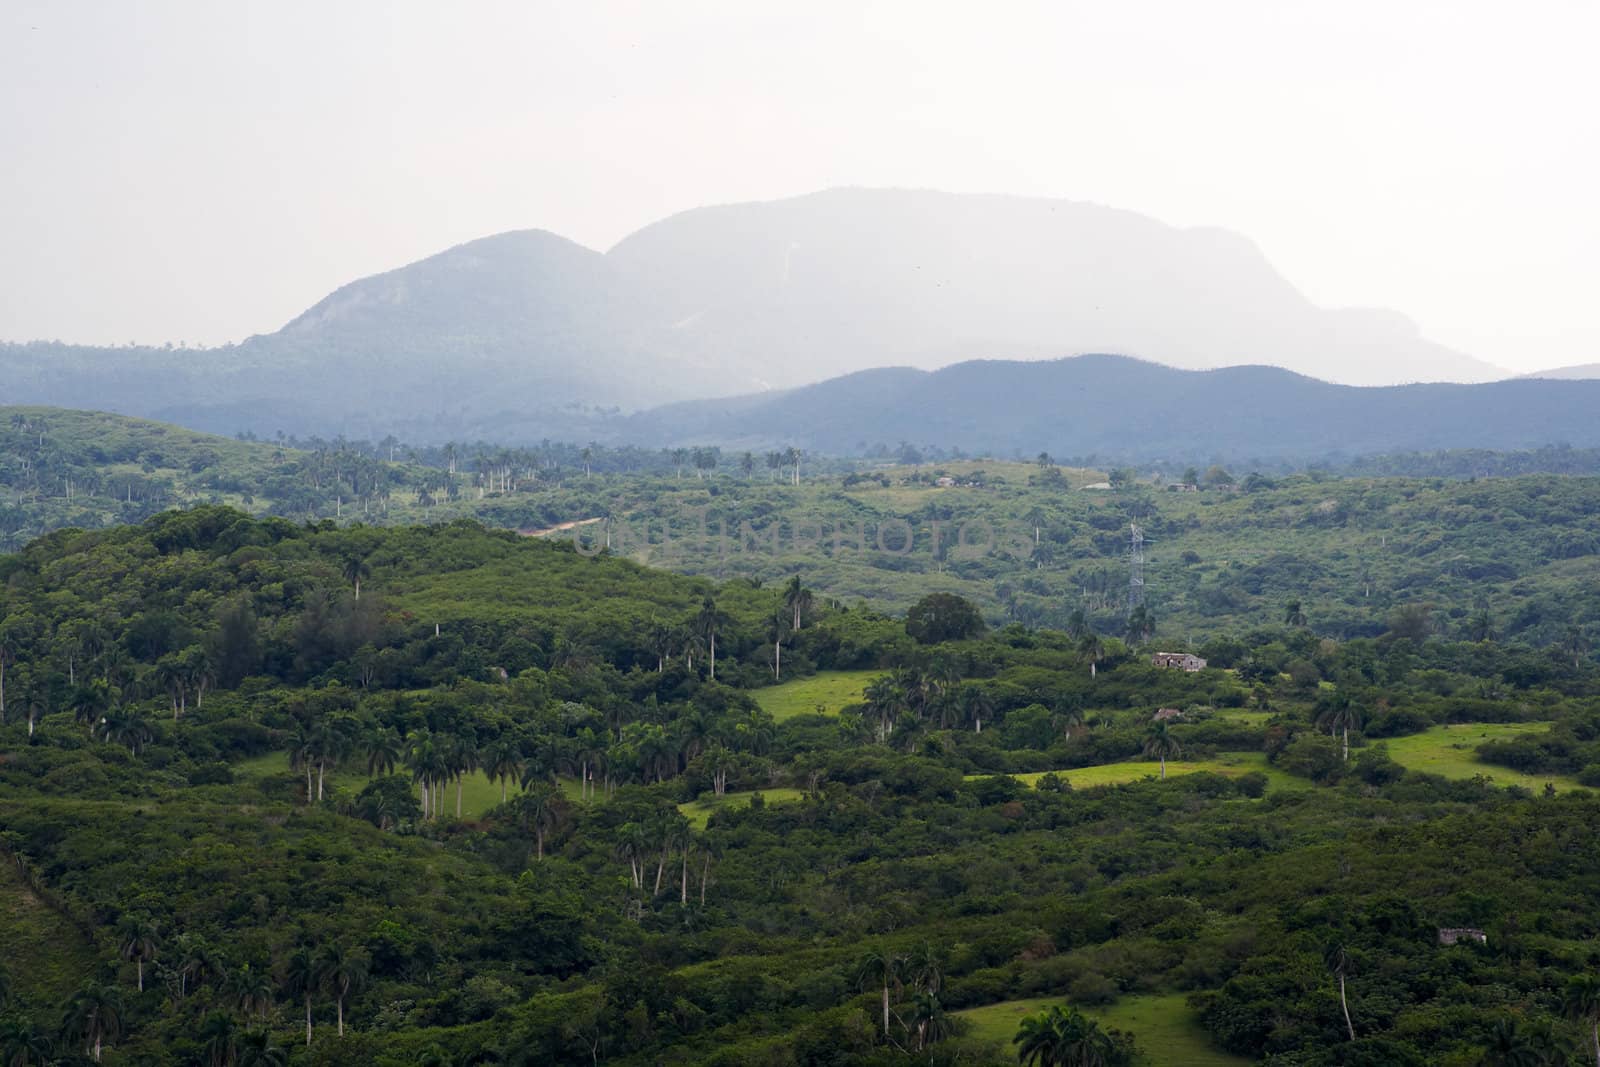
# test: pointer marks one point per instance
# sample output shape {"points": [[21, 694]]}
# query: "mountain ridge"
{"points": [[1111, 405], [732, 299]]}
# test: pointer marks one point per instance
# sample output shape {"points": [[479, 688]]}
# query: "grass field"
{"points": [[478, 793], [699, 812], [1231, 764], [833, 690], [45, 955], [1245, 715], [1164, 1026], [1451, 752]]}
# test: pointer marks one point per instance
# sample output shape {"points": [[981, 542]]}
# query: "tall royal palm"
{"points": [[302, 980], [342, 973], [94, 1017], [707, 622], [138, 941], [1159, 743], [23, 1043], [1580, 1001], [798, 599], [880, 969]]}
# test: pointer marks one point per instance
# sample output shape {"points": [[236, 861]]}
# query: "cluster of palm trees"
{"points": [[932, 694], [331, 971], [1061, 1036], [99, 672], [668, 840], [912, 981], [570, 739]]}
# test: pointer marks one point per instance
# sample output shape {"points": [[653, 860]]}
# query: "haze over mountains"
{"points": [[518, 331], [1112, 406]]}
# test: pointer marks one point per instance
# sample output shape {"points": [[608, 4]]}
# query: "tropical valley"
{"points": [[578, 589]]}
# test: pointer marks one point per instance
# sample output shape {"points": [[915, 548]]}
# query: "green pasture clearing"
{"points": [[45, 954], [1165, 1027], [1232, 764], [478, 793], [833, 690], [698, 812], [1451, 752]]}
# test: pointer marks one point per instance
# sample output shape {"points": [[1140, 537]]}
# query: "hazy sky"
{"points": [[205, 170]]}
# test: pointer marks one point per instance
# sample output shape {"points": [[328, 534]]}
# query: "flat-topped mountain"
{"points": [[525, 327]]}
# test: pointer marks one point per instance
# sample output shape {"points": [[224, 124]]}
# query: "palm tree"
{"points": [[1036, 518], [1575, 643], [925, 967], [777, 630], [174, 679], [1511, 1045], [880, 968], [384, 750], [503, 763], [1091, 648], [23, 1043], [1159, 743], [706, 624], [1141, 623], [1340, 715], [1039, 1039], [463, 757], [1063, 1037], [718, 761], [221, 1040], [138, 941], [197, 961], [929, 1021], [885, 701], [89, 703], [342, 973], [251, 991], [798, 599], [125, 727], [302, 978], [355, 568], [541, 809], [257, 1049], [632, 842], [1338, 962], [976, 705], [94, 1016], [1580, 1001], [1070, 717]]}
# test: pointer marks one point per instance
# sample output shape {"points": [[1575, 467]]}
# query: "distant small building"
{"points": [[1098, 485], [1182, 661], [1454, 935], [1183, 487], [1167, 715], [946, 482]]}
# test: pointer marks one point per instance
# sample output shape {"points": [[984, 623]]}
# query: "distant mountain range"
{"points": [[1124, 409], [523, 333], [1582, 370]]}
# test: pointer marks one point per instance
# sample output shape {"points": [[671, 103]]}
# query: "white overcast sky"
{"points": [[205, 170]]}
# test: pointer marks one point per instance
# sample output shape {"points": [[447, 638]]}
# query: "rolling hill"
{"points": [[1112, 406]]}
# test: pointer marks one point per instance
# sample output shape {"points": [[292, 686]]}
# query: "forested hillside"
{"points": [[445, 794], [1509, 557], [1133, 410]]}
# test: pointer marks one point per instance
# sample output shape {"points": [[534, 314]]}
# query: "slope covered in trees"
{"points": [[899, 875], [1134, 411]]}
